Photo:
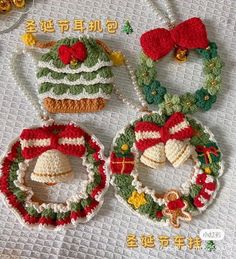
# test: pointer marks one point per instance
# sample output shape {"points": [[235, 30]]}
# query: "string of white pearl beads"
{"points": [[165, 20], [125, 100], [20, 82], [170, 13], [135, 84]]}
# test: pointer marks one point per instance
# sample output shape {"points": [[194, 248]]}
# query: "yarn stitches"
{"points": [[75, 76], [70, 140], [193, 141], [189, 35]]}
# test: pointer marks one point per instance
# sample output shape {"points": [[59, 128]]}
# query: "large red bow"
{"points": [[68, 139], [77, 52], [149, 134], [190, 34]]}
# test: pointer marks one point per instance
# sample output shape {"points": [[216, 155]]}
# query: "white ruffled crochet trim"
{"points": [[185, 187], [57, 207]]}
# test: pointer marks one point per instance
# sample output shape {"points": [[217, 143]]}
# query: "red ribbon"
{"points": [[207, 151], [190, 34], [165, 133], [31, 147], [77, 52]]}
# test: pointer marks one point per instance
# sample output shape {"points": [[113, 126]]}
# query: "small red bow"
{"points": [[77, 52], [149, 134], [190, 34], [68, 139], [207, 151]]}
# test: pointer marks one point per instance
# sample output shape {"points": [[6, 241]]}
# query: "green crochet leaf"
{"points": [[124, 184], [156, 118], [19, 194], [32, 211], [150, 208], [75, 206], [195, 189], [49, 213]]}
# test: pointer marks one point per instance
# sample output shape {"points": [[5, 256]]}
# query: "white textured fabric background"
{"points": [[105, 235]]}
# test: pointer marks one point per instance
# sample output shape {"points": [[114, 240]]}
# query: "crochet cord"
{"points": [[167, 19], [30, 96]]}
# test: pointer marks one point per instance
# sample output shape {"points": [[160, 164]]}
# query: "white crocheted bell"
{"points": [[154, 156], [52, 167], [177, 152]]}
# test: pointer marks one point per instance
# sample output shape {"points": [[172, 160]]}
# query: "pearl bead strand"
{"points": [[32, 98], [167, 19]]}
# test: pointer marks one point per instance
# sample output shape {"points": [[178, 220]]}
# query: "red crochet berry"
{"points": [[159, 214]]}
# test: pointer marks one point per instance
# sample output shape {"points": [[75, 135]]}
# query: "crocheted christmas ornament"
{"points": [[75, 76], [51, 145], [157, 143], [157, 43], [52, 167], [151, 139]]}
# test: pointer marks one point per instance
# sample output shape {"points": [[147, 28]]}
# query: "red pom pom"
{"points": [[159, 214]]}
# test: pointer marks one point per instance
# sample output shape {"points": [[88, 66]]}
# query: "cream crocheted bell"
{"points": [[177, 152], [52, 167], [154, 156]]}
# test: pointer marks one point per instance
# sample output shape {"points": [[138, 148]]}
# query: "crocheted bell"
{"points": [[154, 156], [75, 76], [177, 152], [52, 167]]}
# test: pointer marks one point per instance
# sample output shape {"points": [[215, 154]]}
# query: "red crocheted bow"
{"points": [[68, 139], [190, 34], [149, 134], [77, 52]]}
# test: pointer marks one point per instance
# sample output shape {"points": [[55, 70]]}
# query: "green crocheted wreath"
{"points": [[170, 207], [203, 99]]}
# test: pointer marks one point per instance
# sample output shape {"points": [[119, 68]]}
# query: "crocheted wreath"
{"points": [[152, 139], [189, 35], [35, 143], [75, 76]]}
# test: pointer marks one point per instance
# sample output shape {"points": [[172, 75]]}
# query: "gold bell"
{"points": [[154, 156], [181, 54], [19, 3], [5, 6], [52, 167]]}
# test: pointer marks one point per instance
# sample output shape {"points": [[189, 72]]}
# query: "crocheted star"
{"points": [[171, 104], [212, 84], [188, 102], [204, 99], [176, 208], [145, 75], [213, 66], [137, 199], [154, 92]]}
